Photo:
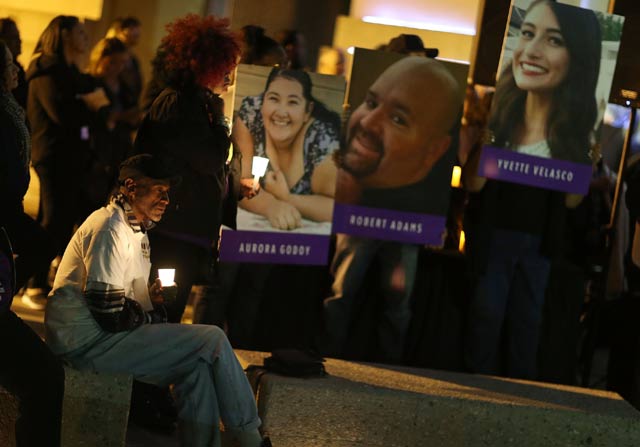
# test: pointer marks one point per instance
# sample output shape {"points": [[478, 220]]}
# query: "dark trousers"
{"points": [[351, 266], [212, 306], [32, 245], [193, 265], [31, 371], [62, 203], [511, 291], [244, 310]]}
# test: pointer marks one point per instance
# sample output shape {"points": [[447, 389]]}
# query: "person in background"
{"points": [[11, 35], [28, 369], [331, 61], [394, 139], [128, 30], [111, 138], [185, 125], [410, 44], [544, 105], [60, 106], [294, 45], [298, 134], [259, 49], [31, 242]]}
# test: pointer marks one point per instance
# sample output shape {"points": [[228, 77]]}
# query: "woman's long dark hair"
{"points": [[259, 47], [320, 111], [574, 110]]}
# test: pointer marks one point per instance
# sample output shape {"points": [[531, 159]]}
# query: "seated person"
{"points": [[102, 316]]}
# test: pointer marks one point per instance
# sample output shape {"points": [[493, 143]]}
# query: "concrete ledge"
{"points": [[375, 405], [95, 409]]}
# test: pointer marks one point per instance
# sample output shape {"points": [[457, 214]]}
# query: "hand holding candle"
{"points": [[258, 168], [167, 277], [167, 281]]}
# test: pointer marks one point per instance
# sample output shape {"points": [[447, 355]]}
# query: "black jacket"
{"points": [[182, 128], [56, 116], [14, 175]]}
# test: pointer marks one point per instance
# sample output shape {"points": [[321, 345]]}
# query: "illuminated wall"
{"points": [[459, 14], [350, 32]]}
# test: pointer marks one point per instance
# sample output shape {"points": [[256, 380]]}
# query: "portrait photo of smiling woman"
{"points": [[557, 67], [545, 103], [298, 134]]}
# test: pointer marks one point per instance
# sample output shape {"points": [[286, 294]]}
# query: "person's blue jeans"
{"points": [[398, 264], [209, 383], [510, 296]]}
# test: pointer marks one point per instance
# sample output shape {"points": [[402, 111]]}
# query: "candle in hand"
{"points": [[258, 168], [167, 277]]}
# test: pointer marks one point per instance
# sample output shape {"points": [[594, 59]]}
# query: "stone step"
{"points": [[375, 405], [95, 410]]}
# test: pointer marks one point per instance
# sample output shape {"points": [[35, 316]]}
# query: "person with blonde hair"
{"points": [[61, 104], [111, 132]]}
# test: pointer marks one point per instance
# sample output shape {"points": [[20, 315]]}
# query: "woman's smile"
{"points": [[532, 69], [281, 122]]}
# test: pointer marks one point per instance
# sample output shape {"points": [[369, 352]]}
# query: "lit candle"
{"points": [[455, 176], [258, 168], [461, 244], [167, 277]]}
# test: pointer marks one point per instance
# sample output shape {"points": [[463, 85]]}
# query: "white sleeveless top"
{"points": [[538, 149]]}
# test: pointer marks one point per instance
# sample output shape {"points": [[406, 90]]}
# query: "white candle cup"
{"points": [[258, 168], [167, 277]]}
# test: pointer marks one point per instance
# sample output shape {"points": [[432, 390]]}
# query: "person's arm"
{"points": [[317, 206], [471, 181], [61, 107], [243, 142], [111, 309], [106, 262], [280, 214]]}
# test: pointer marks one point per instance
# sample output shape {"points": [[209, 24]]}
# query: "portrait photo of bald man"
{"points": [[392, 193]]}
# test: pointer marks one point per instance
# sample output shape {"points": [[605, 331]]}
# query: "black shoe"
{"points": [[266, 442], [153, 408]]}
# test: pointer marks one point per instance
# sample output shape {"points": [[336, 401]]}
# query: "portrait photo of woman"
{"points": [[298, 134], [546, 105], [545, 102]]}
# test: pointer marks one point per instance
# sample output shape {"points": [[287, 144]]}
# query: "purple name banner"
{"points": [[379, 223], [547, 173], [274, 248]]}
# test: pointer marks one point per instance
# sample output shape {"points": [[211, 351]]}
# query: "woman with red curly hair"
{"points": [[185, 127]]}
